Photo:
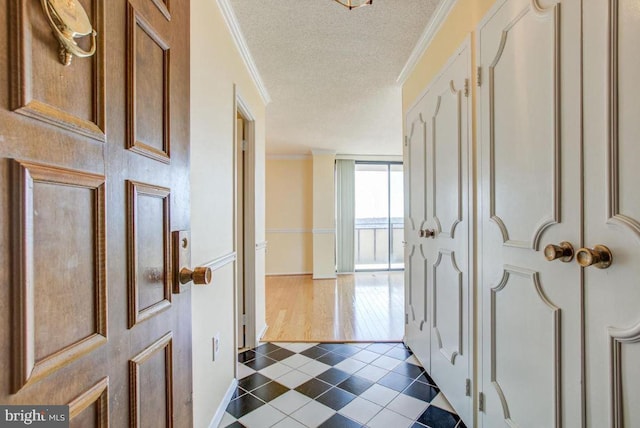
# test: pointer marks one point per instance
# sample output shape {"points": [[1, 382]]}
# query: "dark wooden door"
{"points": [[94, 176]]}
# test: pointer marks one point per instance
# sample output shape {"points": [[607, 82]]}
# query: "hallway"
{"points": [[300, 385]]}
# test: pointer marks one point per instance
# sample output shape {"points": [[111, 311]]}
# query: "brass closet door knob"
{"points": [[427, 233], [598, 256], [199, 276], [562, 252]]}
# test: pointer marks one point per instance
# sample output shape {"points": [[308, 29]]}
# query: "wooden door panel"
{"points": [[67, 211], [524, 126], [148, 87], [60, 268], [151, 374], [91, 408], [76, 102], [149, 252]]}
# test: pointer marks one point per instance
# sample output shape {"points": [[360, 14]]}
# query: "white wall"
{"points": [[324, 217], [289, 215], [215, 67]]}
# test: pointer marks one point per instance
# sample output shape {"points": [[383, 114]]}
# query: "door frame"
{"points": [[247, 247]]}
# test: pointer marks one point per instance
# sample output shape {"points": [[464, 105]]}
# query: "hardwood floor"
{"points": [[366, 307]]}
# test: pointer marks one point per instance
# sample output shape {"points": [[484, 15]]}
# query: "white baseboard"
{"points": [[334, 276], [217, 418], [288, 273]]}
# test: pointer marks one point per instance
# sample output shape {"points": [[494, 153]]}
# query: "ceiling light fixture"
{"points": [[354, 4]]}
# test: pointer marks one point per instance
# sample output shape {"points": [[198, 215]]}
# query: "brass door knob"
{"points": [[199, 276], [598, 256], [562, 252], [427, 233]]}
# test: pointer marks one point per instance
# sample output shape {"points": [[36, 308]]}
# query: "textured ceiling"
{"points": [[331, 73]]}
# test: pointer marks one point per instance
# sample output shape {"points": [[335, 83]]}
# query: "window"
{"points": [[379, 216]]}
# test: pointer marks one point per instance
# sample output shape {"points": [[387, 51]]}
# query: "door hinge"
{"points": [[406, 141], [244, 319], [406, 319], [244, 145], [467, 388], [479, 76], [466, 88], [481, 402]]}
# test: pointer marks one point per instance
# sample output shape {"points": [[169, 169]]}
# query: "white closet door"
{"points": [[529, 136], [416, 298], [448, 279], [612, 210]]}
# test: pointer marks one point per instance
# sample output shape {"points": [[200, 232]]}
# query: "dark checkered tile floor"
{"points": [[298, 385]]}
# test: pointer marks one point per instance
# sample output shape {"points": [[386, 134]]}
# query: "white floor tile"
{"points": [[382, 348], [313, 414], [386, 362], [297, 347], [289, 423], [227, 419], [408, 406], [365, 356], [441, 401], [350, 365], [276, 370], [296, 361], [293, 379], [244, 371], [386, 418], [361, 345], [263, 416], [372, 373], [290, 401], [379, 394], [314, 368], [360, 410], [413, 360]]}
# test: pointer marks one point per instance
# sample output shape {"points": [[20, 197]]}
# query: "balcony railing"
{"points": [[373, 242]]}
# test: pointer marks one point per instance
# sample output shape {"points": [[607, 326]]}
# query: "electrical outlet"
{"points": [[215, 342]]}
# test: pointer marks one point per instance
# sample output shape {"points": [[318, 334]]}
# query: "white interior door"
{"points": [[240, 234], [612, 211], [529, 136], [448, 216], [416, 264]]}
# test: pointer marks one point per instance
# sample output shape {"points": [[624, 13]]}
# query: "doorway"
{"points": [[379, 216], [244, 225]]}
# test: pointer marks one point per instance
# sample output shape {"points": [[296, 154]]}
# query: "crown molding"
{"points": [[372, 158], [234, 27], [316, 152], [287, 157], [434, 24]]}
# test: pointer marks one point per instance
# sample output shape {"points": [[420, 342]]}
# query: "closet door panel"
{"points": [[612, 211], [416, 299], [448, 215], [529, 145]]}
